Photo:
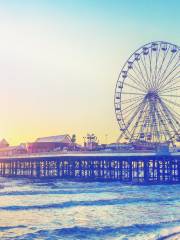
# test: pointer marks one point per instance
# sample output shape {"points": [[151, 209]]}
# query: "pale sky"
{"points": [[60, 60]]}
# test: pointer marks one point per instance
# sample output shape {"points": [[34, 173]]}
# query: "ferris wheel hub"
{"points": [[152, 94]]}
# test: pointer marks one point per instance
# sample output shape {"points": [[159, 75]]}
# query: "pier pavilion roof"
{"points": [[59, 138]]}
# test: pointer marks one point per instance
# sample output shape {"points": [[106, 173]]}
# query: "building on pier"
{"points": [[4, 143], [51, 143], [7, 150], [13, 150]]}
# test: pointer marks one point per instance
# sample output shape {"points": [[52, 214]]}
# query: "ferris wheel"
{"points": [[147, 94]]}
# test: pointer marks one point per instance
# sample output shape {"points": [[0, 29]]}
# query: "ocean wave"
{"points": [[104, 202], [80, 233], [51, 192], [82, 191], [170, 233], [169, 236], [5, 228]]}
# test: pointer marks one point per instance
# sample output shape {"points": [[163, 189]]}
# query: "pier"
{"points": [[145, 168]]}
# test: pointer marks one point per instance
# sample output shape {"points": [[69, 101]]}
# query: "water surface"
{"points": [[56, 209]]}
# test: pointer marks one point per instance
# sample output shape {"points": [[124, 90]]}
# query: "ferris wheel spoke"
{"points": [[128, 115], [129, 112], [167, 81], [154, 121], [163, 75], [136, 80], [121, 136], [140, 71], [175, 71], [136, 103], [150, 63], [161, 66], [166, 90], [166, 68], [162, 125], [172, 102], [172, 82], [173, 113], [140, 112], [146, 70], [145, 127], [174, 127], [144, 65], [145, 120], [169, 116], [125, 130], [154, 78], [170, 85], [130, 93], [176, 114], [165, 124], [131, 100], [130, 107], [127, 84], [165, 95], [134, 113]]}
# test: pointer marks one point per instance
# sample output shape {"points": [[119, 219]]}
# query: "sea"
{"points": [[67, 210]]}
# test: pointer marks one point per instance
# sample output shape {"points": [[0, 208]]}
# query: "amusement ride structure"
{"points": [[147, 95]]}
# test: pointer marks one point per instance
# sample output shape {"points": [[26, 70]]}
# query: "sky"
{"points": [[60, 60]]}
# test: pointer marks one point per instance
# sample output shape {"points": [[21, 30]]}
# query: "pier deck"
{"points": [[148, 168]]}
